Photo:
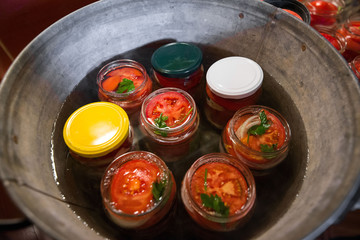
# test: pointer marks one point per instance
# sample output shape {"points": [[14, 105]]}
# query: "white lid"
{"points": [[234, 77]]}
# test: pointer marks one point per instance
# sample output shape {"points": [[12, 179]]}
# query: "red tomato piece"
{"points": [[223, 180], [332, 40], [131, 187], [114, 77], [111, 84], [173, 105]]}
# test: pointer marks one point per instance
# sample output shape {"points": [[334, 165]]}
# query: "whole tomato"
{"points": [[322, 12]]}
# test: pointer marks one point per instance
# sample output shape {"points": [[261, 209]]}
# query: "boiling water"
{"points": [[276, 189]]}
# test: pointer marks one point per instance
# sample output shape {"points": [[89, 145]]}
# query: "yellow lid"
{"points": [[96, 129]]}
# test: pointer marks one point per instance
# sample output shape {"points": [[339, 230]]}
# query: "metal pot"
{"points": [[306, 80]]}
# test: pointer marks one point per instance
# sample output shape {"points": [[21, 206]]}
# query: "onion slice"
{"points": [[250, 122]]}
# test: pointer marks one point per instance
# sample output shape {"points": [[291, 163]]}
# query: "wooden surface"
{"points": [[20, 22]]}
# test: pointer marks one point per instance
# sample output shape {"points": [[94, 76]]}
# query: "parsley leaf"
{"points": [[260, 129], [126, 85], [158, 189], [215, 203], [160, 123], [268, 148]]}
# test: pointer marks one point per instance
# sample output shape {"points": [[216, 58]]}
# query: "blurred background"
{"points": [[22, 20]]}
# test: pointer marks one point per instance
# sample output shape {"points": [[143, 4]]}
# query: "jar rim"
{"points": [[122, 63], [172, 129], [129, 156], [255, 109], [242, 168], [234, 77]]}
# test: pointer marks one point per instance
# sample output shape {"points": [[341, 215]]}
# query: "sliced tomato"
{"points": [[131, 187], [274, 135], [111, 84], [113, 78], [223, 180], [172, 105]]}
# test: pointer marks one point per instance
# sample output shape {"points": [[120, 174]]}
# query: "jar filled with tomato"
{"points": [[351, 31], [169, 116], [138, 190], [232, 83], [97, 133], [124, 82], [169, 121], [334, 37], [218, 192], [324, 12], [178, 65], [258, 136]]}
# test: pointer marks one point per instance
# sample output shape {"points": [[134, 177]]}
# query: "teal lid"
{"points": [[177, 59]]}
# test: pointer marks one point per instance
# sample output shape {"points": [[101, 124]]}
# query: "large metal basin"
{"points": [[305, 79]]}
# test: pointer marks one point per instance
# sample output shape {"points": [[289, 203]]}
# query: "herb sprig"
{"points": [[126, 85], [261, 128], [212, 201], [158, 189], [160, 122], [268, 148]]}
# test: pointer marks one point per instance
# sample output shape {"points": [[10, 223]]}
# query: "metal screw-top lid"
{"points": [[96, 129], [234, 77], [176, 60]]}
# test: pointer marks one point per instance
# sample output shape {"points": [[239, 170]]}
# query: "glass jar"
{"points": [[178, 65], [334, 37], [137, 190], [324, 12], [114, 85], [169, 121], [351, 31], [98, 132], [355, 66], [218, 178], [169, 116], [258, 136], [232, 83]]}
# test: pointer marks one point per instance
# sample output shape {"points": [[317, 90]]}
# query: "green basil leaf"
{"points": [[126, 85], [268, 148], [158, 189]]}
